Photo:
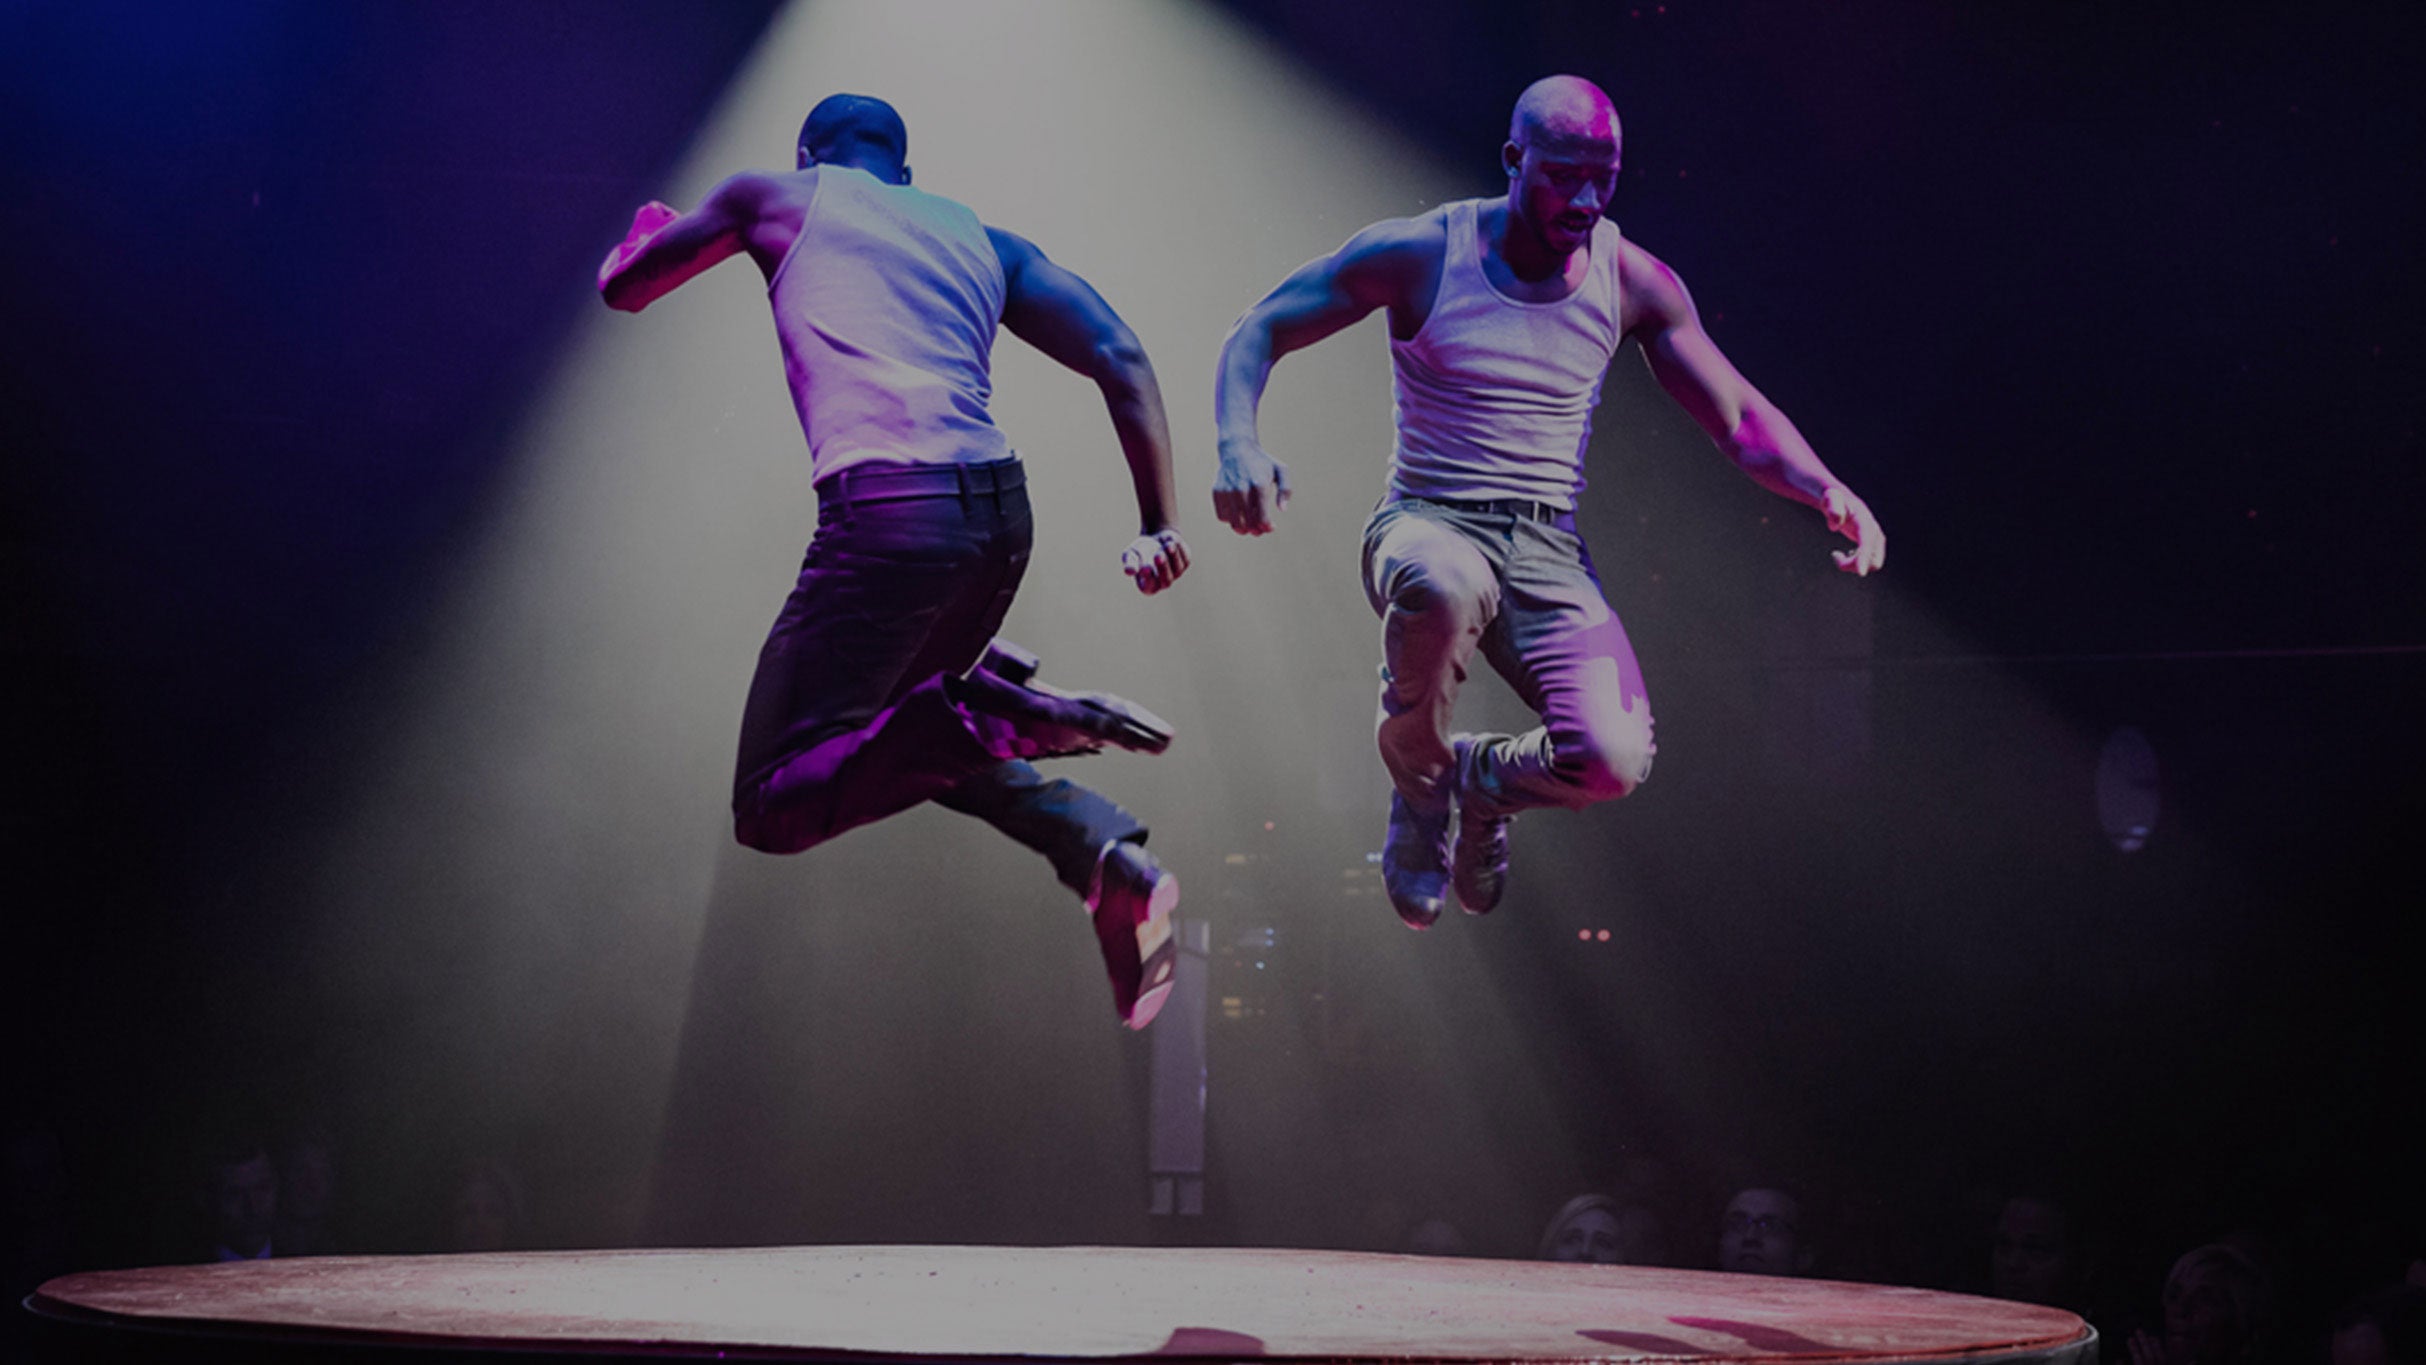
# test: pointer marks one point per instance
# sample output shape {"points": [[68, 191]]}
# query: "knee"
{"points": [[1605, 763], [1452, 590]]}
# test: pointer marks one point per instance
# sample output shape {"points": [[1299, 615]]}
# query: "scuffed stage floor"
{"points": [[1002, 1303]]}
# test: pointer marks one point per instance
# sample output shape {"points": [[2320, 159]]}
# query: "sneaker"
{"points": [[1481, 858], [1130, 898], [1415, 862], [1013, 663], [1031, 720]]}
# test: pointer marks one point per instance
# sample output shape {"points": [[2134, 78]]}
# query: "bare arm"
{"points": [[666, 248], [1383, 266], [1748, 427], [1061, 315]]}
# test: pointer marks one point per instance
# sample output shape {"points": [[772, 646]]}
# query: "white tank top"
{"points": [[1495, 395], [886, 306]]}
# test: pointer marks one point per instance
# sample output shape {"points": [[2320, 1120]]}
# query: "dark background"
{"points": [[2115, 318]]}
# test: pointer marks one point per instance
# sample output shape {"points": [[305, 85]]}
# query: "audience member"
{"points": [[2037, 1254], [2385, 1328], [1763, 1233], [2219, 1310], [1596, 1228], [239, 1198]]}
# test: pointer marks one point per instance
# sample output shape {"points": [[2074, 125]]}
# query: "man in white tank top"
{"points": [[1504, 315], [881, 684]]}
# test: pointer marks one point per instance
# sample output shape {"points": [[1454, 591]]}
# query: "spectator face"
{"points": [[2032, 1260], [2205, 1323], [1761, 1234], [2361, 1345], [244, 1204], [1590, 1236]]}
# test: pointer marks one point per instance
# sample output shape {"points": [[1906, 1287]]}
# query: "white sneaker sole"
{"points": [[1157, 953]]}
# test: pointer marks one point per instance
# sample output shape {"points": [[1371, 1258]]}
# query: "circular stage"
{"points": [[969, 1304]]}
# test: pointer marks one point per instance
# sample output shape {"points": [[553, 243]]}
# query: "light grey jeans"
{"points": [[1446, 580]]}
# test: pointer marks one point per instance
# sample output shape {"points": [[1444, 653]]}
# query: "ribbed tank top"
{"points": [[886, 306], [1495, 395]]}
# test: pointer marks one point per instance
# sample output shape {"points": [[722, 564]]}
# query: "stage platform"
{"points": [[990, 1304]]}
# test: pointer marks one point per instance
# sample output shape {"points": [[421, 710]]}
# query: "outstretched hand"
{"points": [[1850, 517], [648, 222], [1155, 560], [1250, 488]]}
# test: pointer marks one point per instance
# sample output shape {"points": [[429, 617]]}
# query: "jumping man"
{"points": [[881, 684], [1504, 315]]}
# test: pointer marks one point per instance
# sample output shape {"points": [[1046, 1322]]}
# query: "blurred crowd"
{"points": [[2236, 1294], [2232, 1299]]}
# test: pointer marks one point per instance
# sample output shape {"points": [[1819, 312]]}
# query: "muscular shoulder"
{"points": [[764, 209], [1014, 250], [750, 194], [1396, 261], [1652, 293], [1398, 244]]}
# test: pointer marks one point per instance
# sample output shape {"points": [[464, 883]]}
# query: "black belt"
{"points": [[893, 482], [1523, 509]]}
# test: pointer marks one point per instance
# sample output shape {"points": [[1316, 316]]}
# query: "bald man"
{"points": [[1504, 315], [881, 684]]}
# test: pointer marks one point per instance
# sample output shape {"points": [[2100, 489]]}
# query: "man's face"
{"points": [[1761, 1234], [2202, 1318], [1562, 185], [244, 1203], [2361, 1345], [2032, 1259]]}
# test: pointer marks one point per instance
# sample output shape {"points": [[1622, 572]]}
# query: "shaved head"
{"points": [[1564, 112], [856, 130], [1562, 161]]}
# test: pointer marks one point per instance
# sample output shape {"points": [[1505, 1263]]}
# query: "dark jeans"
{"points": [[847, 720]]}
